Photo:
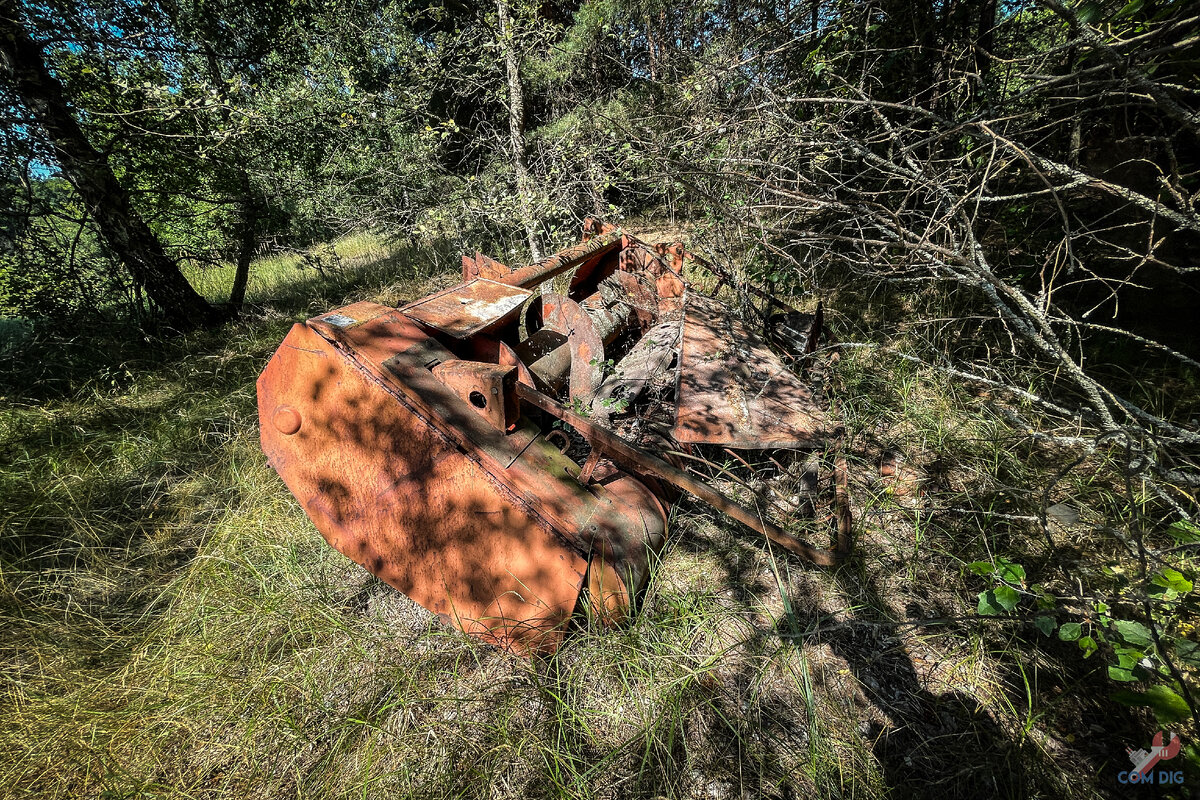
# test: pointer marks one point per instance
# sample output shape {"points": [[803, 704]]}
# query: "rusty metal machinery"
{"points": [[508, 458]]}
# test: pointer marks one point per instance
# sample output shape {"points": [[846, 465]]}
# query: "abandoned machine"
{"points": [[507, 453]]}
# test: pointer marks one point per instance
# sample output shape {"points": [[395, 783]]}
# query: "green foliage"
{"points": [[1006, 596]]}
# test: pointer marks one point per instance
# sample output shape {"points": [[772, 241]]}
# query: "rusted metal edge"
{"points": [[562, 261], [639, 461]]}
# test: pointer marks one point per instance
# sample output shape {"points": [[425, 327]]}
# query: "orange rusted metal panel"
{"points": [[734, 391], [490, 389], [482, 266], [470, 308], [490, 531]]}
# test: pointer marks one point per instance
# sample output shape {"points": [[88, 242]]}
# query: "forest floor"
{"points": [[171, 624]]}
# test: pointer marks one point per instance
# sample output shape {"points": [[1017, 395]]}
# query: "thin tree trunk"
{"points": [[248, 206], [985, 43], [516, 127], [246, 246], [651, 54], [126, 234]]}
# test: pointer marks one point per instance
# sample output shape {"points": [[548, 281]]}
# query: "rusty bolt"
{"points": [[286, 420]]}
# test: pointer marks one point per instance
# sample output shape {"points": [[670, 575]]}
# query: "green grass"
{"points": [[171, 624], [280, 274]]}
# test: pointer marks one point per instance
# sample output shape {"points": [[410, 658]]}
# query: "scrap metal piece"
{"points": [[734, 391], [548, 355], [795, 333], [645, 361], [641, 462], [470, 308], [564, 260], [492, 532], [401, 433], [631, 291], [482, 266], [490, 389], [585, 337]]}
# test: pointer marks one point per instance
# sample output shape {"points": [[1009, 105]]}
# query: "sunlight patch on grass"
{"points": [[271, 273]]}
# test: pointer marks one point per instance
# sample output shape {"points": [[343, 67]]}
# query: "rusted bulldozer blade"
{"points": [[640, 462], [488, 529], [401, 432], [734, 391]]}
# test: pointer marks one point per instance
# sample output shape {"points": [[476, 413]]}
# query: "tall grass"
{"points": [[171, 625]]}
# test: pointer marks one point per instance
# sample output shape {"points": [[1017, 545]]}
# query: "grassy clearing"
{"points": [[172, 625]]}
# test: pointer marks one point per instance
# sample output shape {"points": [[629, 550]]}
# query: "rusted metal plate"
{"points": [[795, 333], [482, 266], [489, 389], [644, 463], [469, 308], [734, 391], [586, 342], [403, 500]]}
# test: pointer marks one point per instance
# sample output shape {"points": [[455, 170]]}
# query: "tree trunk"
{"points": [[246, 247], [986, 40], [248, 207], [516, 127], [125, 233]]}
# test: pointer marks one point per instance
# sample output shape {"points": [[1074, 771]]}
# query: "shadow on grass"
{"points": [[115, 460], [1031, 721]]}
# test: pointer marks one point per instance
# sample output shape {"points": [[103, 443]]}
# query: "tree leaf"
{"points": [[1002, 568], [1173, 579], [1123, 674], [987, 604], [1088, 13], [994, 601], [1134, 633], [1130, 9], [1070, 631], [1046, 625], [1009, 571], [1168, 706], [1088, 645], [1188, 652]]}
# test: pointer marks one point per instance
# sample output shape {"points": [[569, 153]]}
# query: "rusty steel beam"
{"points": [[639, 461], [562, 261]]}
